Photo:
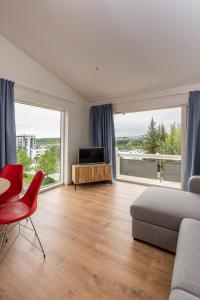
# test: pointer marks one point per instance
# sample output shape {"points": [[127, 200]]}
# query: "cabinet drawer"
{"points": [[84, 175], [91, 173], [108, 172], [102, 172]]}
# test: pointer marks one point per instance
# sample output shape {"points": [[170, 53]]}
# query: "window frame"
{"points": [[183, 108], [62, 142]]}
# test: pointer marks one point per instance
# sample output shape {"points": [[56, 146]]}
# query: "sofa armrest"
{"points": [[194, 184]]}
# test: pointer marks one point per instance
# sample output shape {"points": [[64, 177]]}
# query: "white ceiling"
{"points": [[138, 45]]}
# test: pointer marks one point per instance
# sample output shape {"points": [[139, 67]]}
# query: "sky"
{"points": [[39, 121], [44, 122], [136, 123]]}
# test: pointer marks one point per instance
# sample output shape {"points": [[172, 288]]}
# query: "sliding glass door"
{"points": [[39, 142], [148, 145]]}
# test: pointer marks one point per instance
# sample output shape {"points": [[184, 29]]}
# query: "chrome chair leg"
{"points": [[4, 235], [37, 237], [6, 231], [2, 230]]}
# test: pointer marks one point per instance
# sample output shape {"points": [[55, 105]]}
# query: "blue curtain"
{"points": [[192, 164], [7, 123], [102, 133]]}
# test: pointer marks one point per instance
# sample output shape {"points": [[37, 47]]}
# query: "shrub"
{"points": [[48, 180]]}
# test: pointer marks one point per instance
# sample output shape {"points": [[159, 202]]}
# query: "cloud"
{"points": [[136, 123], [44, 122], [39, 121]]}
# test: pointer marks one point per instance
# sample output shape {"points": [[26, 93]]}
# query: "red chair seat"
{"points": [[13, 212], [13, 173], [10, 194]]}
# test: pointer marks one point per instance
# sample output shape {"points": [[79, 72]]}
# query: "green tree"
{"points": [[172, 143], [162, 133], [151, 139], [131, 143], [48, 162], [162, 137], [24, 159]]}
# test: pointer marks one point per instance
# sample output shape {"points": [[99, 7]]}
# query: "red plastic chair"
{"points": [[13, 173], [22, 209]]}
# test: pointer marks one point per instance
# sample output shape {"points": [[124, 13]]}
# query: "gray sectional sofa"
{"points": [[161, 217], [186, 274]]}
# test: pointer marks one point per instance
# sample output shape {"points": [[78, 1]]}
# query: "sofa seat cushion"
{"points": [[166, 207], [186, 274], [181, 295]]}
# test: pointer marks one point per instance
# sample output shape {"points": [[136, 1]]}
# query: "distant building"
{"points": [[123, 138], [128, 138], [37, 152], [27, 142]]}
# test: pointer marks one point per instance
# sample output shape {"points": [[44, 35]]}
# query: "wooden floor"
{"points": [[90, 251]]}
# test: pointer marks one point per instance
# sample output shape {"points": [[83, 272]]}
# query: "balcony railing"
{"points": [[155, 169]]}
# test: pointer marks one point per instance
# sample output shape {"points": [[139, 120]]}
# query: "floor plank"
{"points": [[90, 251]]}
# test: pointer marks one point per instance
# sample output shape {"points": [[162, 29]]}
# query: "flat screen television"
{"points": [[91, 155]]}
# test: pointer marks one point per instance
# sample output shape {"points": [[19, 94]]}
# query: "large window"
{"points": [[39, 142], [148, 145]]}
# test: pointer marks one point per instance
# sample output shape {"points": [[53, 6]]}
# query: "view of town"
{"points": [[148, 145], [39, 154], [156, 140], [38, 142]]}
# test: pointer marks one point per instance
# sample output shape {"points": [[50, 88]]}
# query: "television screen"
{"points": [[91, 155]]}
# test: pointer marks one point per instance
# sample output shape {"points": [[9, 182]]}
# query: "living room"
{"points": [[99, 149]]}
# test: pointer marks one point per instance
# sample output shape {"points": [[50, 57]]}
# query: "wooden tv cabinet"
{"points": [[82, 173]]}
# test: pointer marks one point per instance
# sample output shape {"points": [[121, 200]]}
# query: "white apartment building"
{"points": [[37, 152], [27, 142]]}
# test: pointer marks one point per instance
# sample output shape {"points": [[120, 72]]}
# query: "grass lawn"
{"points": [[28, 177], [47, 180]]}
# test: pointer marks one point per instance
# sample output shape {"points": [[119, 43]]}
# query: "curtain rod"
{"points": [[36, 90], [137, 97], [40, 91], [181, 90]]}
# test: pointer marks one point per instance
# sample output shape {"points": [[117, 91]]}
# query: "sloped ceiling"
{"points": [[106, 48]]}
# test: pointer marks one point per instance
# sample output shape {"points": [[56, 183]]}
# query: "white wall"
{"points": [[177, 96], [36, 85], [147, 101], [151, 103]]}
